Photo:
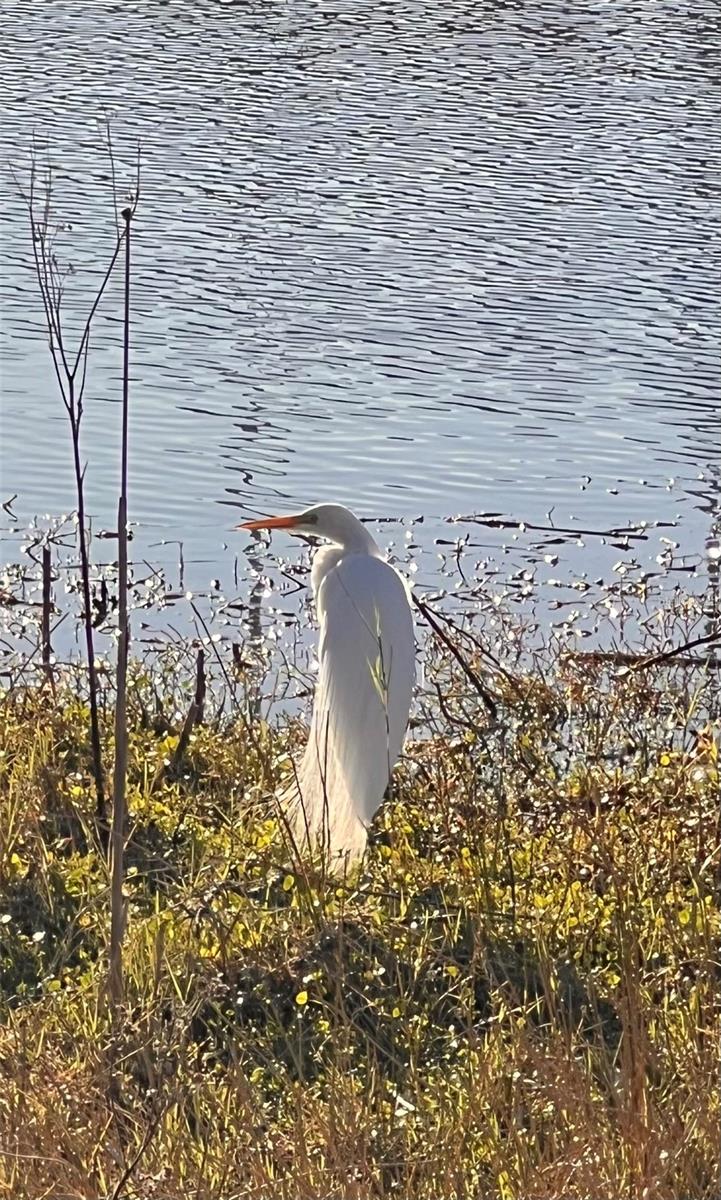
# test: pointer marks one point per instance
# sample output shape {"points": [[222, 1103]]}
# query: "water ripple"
{"points": [[405, 255]]}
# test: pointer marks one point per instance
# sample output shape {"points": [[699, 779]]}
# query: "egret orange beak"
{"points": [[272, 523]]}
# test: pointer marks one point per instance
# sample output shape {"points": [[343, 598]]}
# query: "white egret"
{"points": [[365, 683]]}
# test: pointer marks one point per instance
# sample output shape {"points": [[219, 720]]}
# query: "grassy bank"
{"points": [[516, 998]]}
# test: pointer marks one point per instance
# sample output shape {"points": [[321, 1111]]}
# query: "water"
{"points": [[451, 259]]}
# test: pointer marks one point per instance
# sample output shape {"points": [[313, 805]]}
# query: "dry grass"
{"points": [[518, 998]]}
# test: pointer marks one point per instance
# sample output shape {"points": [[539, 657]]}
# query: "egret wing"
{"points": [[367, 669]]}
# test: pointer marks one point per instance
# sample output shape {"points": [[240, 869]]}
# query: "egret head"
{"points": [[331, 521]]}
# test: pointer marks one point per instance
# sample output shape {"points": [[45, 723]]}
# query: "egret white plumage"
{"points": [[365, 682]]}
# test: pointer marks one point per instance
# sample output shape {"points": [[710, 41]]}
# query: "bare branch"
{"points": [[109, 140], [117, 901], [96, 302], [468, 671]]}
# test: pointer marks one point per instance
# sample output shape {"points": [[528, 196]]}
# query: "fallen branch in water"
{"points": [[654, 659], [620, 658]]}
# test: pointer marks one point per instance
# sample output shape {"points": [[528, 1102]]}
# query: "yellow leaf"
{"points": [[288, 883], [19, 866], [301, 998]]}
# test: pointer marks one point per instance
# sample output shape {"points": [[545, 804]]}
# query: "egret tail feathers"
{"points": [[322, 815]]}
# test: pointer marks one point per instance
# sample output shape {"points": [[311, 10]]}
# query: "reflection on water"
{"points": [[415, 258], [254, 621]]}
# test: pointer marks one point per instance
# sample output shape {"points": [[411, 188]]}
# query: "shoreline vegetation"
{"points": [[514, 998]]}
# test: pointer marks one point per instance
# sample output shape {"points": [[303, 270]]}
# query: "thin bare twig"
{"points": [[468, 671], [117, 901], [194, 716], [50, 287], [47, 607], [109, 140], [150, 1133]]}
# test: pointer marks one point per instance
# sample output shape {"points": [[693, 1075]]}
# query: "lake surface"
{"points": [[431, 259]]}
